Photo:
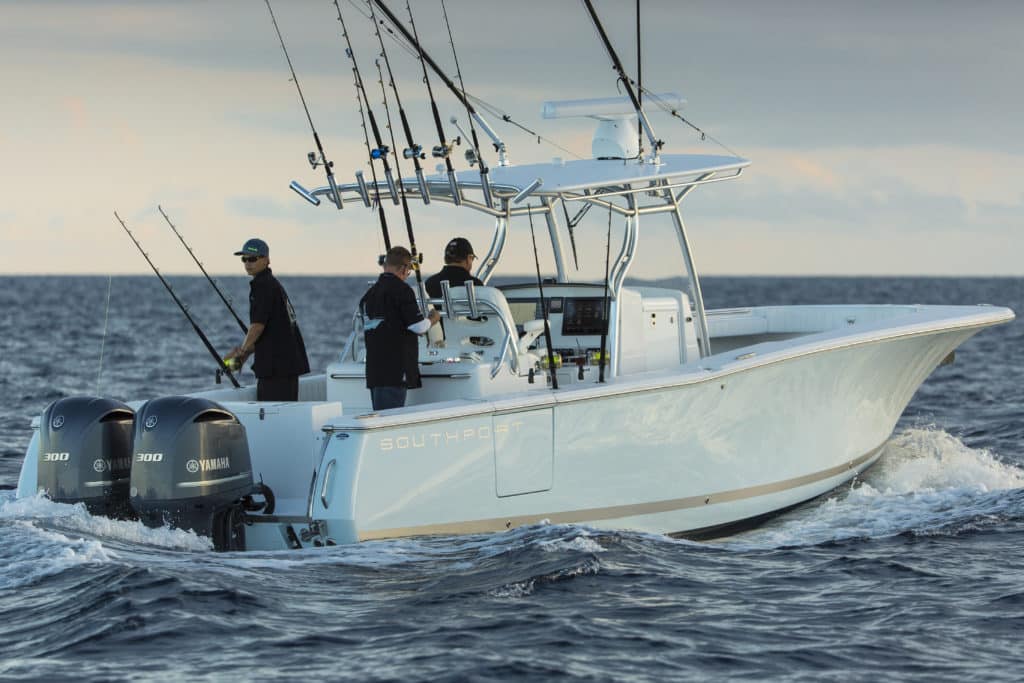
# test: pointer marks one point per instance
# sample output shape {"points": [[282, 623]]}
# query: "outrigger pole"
{"points": [[381, 151], [184, 309], [656, 144], [416, 259], [313, 160], [245, 329], [443, 149]]}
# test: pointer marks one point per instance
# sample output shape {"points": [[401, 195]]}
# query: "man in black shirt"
{"points": [[274, 334], [458, 260], [392, 320]]}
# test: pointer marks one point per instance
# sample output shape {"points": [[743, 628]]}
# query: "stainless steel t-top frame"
{"points": [[631, 199]]}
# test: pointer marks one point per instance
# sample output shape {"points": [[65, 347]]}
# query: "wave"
{"points": [[926, 482], [48, 523]]}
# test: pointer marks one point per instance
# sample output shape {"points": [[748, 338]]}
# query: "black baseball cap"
{"points": [[254, 247], [458, 249]]}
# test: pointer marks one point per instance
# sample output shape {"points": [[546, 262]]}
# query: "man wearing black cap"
{"points": [[391, 320], [274, 334], [458, 260]]}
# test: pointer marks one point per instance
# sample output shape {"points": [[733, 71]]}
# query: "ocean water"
{"points": [[913, 572]]}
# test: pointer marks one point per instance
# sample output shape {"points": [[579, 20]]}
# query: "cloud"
{"points": [[908, 188]]}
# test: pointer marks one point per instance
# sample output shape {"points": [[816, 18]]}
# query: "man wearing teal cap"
{"points": [[274, 334]]}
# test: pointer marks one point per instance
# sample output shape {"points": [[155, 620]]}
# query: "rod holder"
{"points": [[453, 183], [391, 186], [304, 193], [446, 297], [335, 194], [474, 310], [528, 190], [363, 192], [485, 183], [422, 182]]}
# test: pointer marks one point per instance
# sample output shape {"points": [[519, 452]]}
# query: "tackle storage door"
{"points": [[523, 452]]}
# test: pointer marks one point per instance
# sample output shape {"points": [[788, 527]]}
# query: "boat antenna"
{"points": [[605, 304], [314, 160], [227, 302], [413, 151], [184, 309], [103, 339], [656, 144], [417, 259], [543, 304], [484, 171], [373, 153]]}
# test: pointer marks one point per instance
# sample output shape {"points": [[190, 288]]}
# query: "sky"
{"points": [[884, 137]]}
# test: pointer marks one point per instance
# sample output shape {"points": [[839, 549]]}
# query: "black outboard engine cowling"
{"points": [[191, 468], [85, 454]]}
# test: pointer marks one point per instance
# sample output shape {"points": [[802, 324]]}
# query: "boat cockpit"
{"points": [[492, 341]]}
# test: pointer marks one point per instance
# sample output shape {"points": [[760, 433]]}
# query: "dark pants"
{"points": [[387, 397], [277, 389]]}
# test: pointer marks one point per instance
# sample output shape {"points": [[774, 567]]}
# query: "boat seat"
{"points": [[486, 333]]}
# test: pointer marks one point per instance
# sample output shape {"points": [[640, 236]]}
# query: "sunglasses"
{"points": [[251, 259]]}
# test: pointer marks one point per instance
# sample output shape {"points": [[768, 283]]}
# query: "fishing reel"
{"points": [[471, 157], [444, 151], [414, 152], [417, 260], [380, 152], [317, 162]]}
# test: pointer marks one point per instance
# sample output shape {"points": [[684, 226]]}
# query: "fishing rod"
{"points": [[245, 329], [485, 181], [184, 309], [656, 144], [314, 161], [443, 150], [605, 304], [413, 39], [543, 304], [498, 143], [416, 259], [380, 151], [413, 151]]}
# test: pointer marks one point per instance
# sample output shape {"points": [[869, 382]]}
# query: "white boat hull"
{"points": [[695, 451], [711, 448]]}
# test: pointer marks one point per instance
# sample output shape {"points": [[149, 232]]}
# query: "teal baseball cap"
{"points": [[254, 247]]}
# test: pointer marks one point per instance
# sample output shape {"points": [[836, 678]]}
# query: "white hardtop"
{"points": [[584, 174]]}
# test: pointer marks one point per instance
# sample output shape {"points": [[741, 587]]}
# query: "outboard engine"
{"points": [[191, 468], [85, 454]]}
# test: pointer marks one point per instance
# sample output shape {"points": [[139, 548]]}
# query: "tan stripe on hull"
{"points": [[619, 511]]}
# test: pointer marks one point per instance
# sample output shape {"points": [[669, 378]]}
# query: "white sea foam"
{"points": [[579, 544], [32, 553], [926, 480], [61, 517]]}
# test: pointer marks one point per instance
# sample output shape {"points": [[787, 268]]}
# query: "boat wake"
{"points": [[46, 538], [928, 482]]}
